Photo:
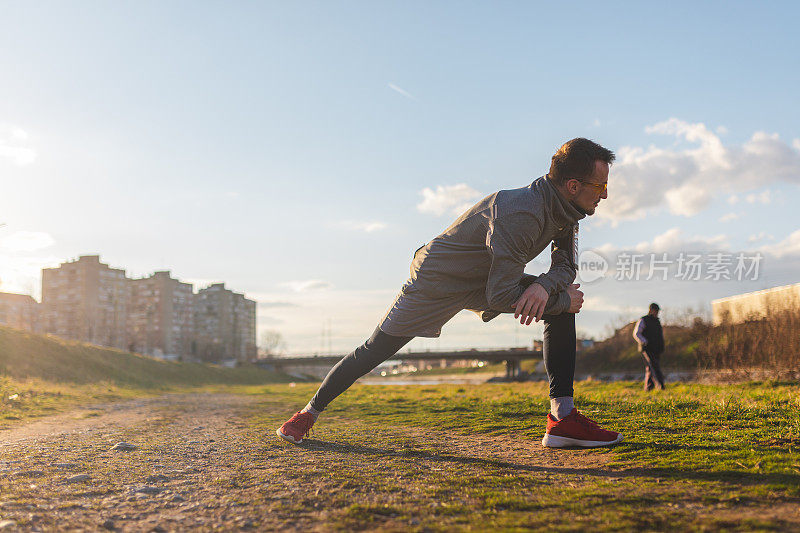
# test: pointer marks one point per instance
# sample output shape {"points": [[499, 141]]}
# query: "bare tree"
{"points": [[272, 342]]}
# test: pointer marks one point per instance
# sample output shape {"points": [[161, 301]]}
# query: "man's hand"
{"points": [[531, 304], [575, 298]]}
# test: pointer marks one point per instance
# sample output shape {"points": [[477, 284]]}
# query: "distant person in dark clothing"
{"points": [[649, 335]]}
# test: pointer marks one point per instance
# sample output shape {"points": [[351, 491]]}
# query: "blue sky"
{"points": [[302, 151]]}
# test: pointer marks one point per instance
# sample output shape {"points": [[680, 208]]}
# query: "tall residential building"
{"points": [[86, 300], [19, 311], [244, 312], [225, 323], [161, 316]]}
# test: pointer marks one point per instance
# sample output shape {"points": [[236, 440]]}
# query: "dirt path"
{"points": [[192, 465], [63, 473], [201, 463], [106, 417]]}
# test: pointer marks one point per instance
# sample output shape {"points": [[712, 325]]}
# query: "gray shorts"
{"points": [[416, 313]]}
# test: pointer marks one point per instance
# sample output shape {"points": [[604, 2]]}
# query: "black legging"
{"points": [[559, 353], [559, 359]]}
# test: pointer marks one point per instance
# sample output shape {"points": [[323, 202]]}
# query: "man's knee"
{"points": [[560, 323], [560, 316], [378, 348]]}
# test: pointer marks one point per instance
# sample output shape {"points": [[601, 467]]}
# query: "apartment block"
{"points": [[86, 300], [19, 311], [245, 328], [161, 316], [225, 322]]}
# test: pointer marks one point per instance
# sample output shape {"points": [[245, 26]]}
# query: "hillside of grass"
{"points": [[620, 353], [28, 356]]}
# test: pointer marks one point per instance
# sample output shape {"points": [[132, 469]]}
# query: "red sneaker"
{"points": [[296, 427], [577, 430]]}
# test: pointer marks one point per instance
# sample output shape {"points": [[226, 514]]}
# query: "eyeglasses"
{"points": [[602, 187]]}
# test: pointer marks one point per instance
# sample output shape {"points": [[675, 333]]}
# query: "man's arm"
{"points": [[556, 304], [508, 240], [563, 263], [638, 333], [563, 269]]}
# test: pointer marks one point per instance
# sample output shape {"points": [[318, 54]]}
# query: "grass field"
{"points": [[397, 458], [694, 457], [416, 458]]}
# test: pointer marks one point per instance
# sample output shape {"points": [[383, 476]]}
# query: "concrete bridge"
{"points": [[512, 358]]}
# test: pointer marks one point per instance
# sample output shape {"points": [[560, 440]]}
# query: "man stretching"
{"points": [[478, 264]]}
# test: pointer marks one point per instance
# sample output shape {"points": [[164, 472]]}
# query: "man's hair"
{"points": [[575, 159], [654, 307]]}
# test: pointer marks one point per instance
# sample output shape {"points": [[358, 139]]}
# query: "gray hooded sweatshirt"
{"points": [[489, 246]]}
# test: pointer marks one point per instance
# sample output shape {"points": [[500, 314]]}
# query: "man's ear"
{"points": [[572, 186]]}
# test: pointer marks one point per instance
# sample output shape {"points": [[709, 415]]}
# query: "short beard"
{"points": [[582, 211]]}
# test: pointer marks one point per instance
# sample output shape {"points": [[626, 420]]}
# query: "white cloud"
{"points": [[308, 285], [760, 237], [673, 240], [367, 227], [19, 155], [11, 148], [694, 133], [728, 217], [26, 241], [764, 198], [686, 178], [447, 199], [607, 249], [687, 200], [790, 246], [399, 90]]}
